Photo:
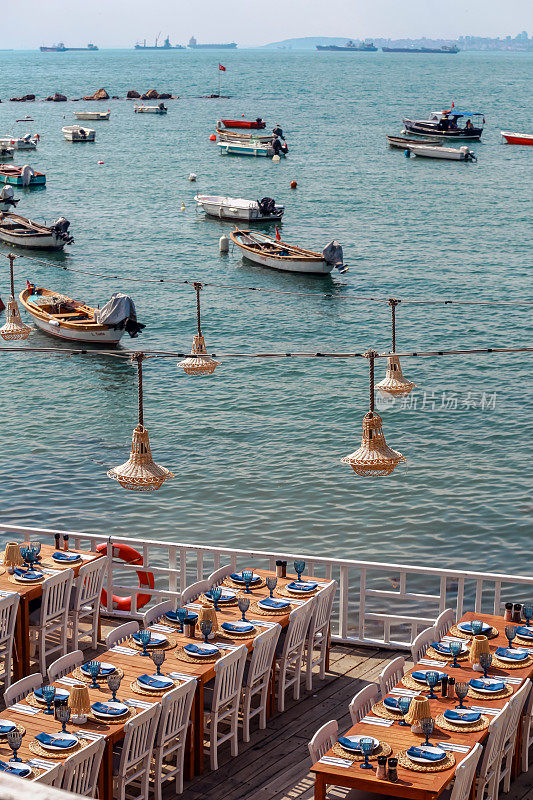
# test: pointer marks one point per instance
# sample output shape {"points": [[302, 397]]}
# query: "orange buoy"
{"points": [[100, 162], [293, 184], [213, 137]]}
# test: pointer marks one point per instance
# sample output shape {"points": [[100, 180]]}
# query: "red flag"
{"points": [[278, 237], [453, 104], [221, 68]]}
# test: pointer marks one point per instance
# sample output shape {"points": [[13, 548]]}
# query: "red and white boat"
{"points": [[258, 123], [517, 138]]}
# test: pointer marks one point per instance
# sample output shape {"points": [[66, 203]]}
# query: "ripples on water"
{"points": [[256, 447]]}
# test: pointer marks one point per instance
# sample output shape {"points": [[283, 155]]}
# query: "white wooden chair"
{"points": [[421, 643], [510, 732], [50, 619], [216, 577], [257, 679], [390, 676], [52, 777], [120, 634], [19, 690], [193, 592], [444, 622], [465, 775], [81, 769], [62, 666], [290, 652], [85, 602], [362, 702], [8, 617], [171, 736], [132, 765], [323, 740], [487, 780], [155, 613], [318, 635], [527, 731], [221, 706]]}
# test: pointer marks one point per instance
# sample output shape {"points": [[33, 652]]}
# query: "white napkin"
{"points": [[404, 692], [51, 571], [455, 748], [20, 709], [323, 585], [230, 647], [335, 762], [3, 593], [86, 557], [162, 628], [516, 681], [193, 605], [70, 681], [453, 639], [131, 701], [259, 623], [485, 710], [180, 676], [90, 735], [126, 651], [430, 663], [41, 764], [377, 721]]}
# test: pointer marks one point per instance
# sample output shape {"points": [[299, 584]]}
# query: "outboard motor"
{"points": [[266, 206], [83, 133], [277, 146], [333, 255], [7, 198], [26, 174], [162, 106], [60, 228]]}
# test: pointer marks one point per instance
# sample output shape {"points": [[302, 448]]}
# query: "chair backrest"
{"points": [[8, 617], [444, 622], [139, 735], [88, 584], [390, 676], [421, 643], [216, 577], [264, 647], [81, 770], [121, 633], [323, 740], [363, 702], [155, 613], [297, 628], [464, 774], [64, 665], [492, 749], [528, 708], [228, 677], [175, 712], [18, 691], [192, 592], [322, 610], [56, 596], [516, 706], [52, 777]]}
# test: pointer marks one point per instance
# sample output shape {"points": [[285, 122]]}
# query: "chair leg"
{"points": [[180, 758], [7, 667], [309, 668], [264, 702], [246, 705], [235, 731], [158, 764], [281, 686], [297, 678], [213, 741], [323, 657]]}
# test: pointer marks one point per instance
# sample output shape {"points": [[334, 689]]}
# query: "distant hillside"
{"points": [[306, 43]]}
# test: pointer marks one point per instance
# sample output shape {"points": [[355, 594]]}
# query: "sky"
{"points": [[120, 23]]}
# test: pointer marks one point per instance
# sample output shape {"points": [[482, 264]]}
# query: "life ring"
{"points": [[146, 579]]}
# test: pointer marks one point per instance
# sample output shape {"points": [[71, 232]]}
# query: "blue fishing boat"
{"points": [[21, 176]]}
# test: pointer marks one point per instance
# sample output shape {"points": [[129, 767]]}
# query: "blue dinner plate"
{"points": [[28, 574], [12, 769], [57, 741], [105, 669], [420, 675], [487, 685], [155, 681], [111, 708], [270, 602], [67, 557], [5, 726], [391, 702], [525, 632], [237, 627], [424, 753], [459, 715], [511, 654], [61, 694], [201, 649], [237, 577]]}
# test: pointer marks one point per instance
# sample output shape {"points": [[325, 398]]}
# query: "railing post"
{"points": [[362, 602]]}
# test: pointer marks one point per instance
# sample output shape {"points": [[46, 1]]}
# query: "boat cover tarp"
{"points": [[333, 253], [120, 312]]}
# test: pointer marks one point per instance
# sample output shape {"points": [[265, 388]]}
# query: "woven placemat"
{"points": [[14, 579], [170, 645], [526, 662], [237, 636], [37, 750], [183, 656], [21, 729], [381, 710], [473, 727], [233, 585], [523, 640], [134, 686], [80, 676], [383, 749], [112, 720], [50, 562], [405, 761], [276, 612], [431, 653], [507, 692], [282, 591], [410, 683], [455, 631]]}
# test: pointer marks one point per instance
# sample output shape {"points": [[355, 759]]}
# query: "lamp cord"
{"points": [[198, 289]]}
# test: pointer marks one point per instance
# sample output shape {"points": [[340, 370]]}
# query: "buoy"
{"points": [[213, 137], [293, 184], [223, 244], [276, 159], [182, 207], [100, 162], [407, 154], [192, 177], [242, 115]]}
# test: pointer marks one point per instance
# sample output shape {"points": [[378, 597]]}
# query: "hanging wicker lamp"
{"points": [[199, 362], [13, 328], [394, 381], [374, 459], [140, 473]]}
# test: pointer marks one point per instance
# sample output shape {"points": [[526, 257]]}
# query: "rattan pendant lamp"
{"points": [[140, 473], [374, 459], [199, 362], [394, 381], [13, 328]]}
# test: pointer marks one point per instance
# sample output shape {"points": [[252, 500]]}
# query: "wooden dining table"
{"points": [[411, 784], [28, 592]]}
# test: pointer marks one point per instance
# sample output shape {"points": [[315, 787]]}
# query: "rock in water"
{"points": [[57, 98], [101, 94], [165, 96], [151, 94], [132, 94]]}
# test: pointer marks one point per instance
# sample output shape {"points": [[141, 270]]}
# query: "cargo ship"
{"points": [[364, 47], [193, 44], [444, 49], [60, 48], [165, 46]]}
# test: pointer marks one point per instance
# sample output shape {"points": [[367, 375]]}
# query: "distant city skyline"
{"points": [[121, 23]]}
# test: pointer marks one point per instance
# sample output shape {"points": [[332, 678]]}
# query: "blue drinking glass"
{"points": [[62, 714], [216, 594], [455, 650], [94, 670], [299, 567], [485, 660], [461, 690], [510, 632], [404, 704], [206, 626], [427, 724], [432, 679], [181, 614], [24, 550], [271, 583], [36, 547], [144, 638], [367, 745], [243, 604], [527, 612], [158, 657], [14, 740], [476, 626], [113, 682], [49, 693], [247, 575]]}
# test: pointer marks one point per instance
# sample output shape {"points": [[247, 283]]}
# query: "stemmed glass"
{"points": [[485, 660], [93, 668], [49, 692], [182, 615], [144, 638], [299, 567], [476, 626], [158, 656], [216, 594], [455, 650], [432, 679], [63, 716], [404, 704], [14, 740], [247, 575], [367, 745], [243, 604], [206, 626], [427, 724], [510, 632], [271, 583], [24, 550], [113, 682], [461, 690], [528, 613], [35, 547]]}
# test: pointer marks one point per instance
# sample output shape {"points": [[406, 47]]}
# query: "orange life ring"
{"points": [[146, 579]]}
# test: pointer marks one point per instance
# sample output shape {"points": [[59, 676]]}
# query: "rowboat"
{"points": [[21, 176], [403, 142], [518, 138], [269, 252], [160, 109], [258, 123], [93, 116], [75, 133], [446, 125], [22, 232], [447, 153], [236, 208], [60, 316], [27, 142], [239, 136], [251, 148]]}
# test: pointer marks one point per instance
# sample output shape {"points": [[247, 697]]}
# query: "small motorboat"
{"points": [[22, 232], [445, 125], [159, 109], [239, 136], [254, 148], [7, 199], [93, 116], [75, 133], [21, 176], [448, 153], [518, 138], [27, 142], [75, 321], [258, 123], [265, 210], [269, 252], [403, 142]]}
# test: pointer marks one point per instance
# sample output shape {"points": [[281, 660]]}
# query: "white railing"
{"points": [[378, 604]]}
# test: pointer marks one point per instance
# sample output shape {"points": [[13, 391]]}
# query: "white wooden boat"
{"points": [[93, 116], [64, 318], [27, 142], [251, 148], [402, 142], [22, 232], [240, 136], [160, 109], [240, 209], [269, 252], [75, 133], [448, 153]]}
